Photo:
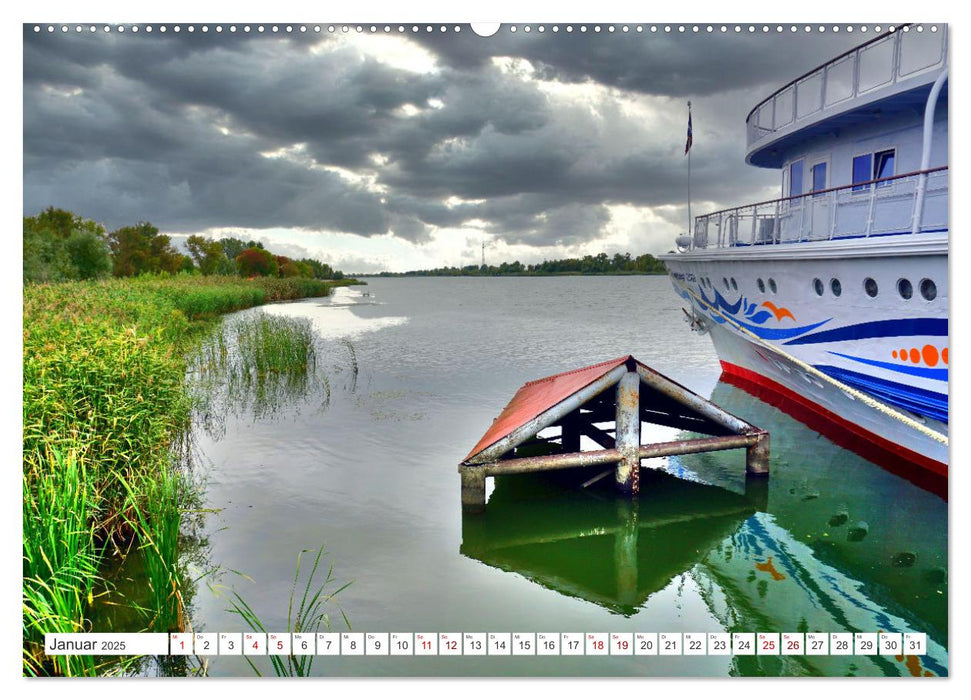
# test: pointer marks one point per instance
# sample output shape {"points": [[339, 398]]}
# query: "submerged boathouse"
{"points": [[624, 393]]}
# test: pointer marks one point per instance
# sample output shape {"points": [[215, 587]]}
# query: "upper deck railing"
{"points": [[875, 208], [896, 57]]}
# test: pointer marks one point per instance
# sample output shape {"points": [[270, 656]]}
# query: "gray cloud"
{"points": [[173, 128]]}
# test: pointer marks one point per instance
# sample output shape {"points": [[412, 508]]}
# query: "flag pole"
{"points": [[690, 232]]}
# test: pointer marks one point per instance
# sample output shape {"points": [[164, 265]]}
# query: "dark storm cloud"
{"points": [[675, 64], [176, 129]]}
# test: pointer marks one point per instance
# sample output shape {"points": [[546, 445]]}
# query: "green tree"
{"points": [[89, 254], [141, 248], [321, 271], [60, 245], [209, 255]]}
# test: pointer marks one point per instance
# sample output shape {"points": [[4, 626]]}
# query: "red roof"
{"points": [[540, 395]]}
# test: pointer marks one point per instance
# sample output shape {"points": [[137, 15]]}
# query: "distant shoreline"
{"points": [[359, 275]]}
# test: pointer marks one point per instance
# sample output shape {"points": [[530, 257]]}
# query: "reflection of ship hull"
{"points": [[763, 580], [854, 516]]}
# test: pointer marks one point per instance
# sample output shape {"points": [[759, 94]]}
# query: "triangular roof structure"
{"points": [[541, 403]]}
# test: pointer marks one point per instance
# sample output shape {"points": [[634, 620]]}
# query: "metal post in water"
{"points": [[473, 489], [628, 433], [757, 456]]}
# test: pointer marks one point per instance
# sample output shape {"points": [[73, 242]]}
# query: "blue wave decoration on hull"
{"points": [[757, 318], [920, 401], [877, 329]]}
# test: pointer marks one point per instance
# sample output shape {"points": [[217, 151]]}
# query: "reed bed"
{"points": [[105, 404]]}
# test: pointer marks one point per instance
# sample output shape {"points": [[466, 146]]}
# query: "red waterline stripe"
{"points": [[919, 469]]}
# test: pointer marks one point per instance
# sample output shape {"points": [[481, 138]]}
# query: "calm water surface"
{"points": [[418, 369]]}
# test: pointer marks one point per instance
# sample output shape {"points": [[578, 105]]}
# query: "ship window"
{"points": [[905, 288], [873, 166], [734, 285], [862, 170], [883, 165], [772, 285], [725, 282], [761, 285], [870, 286], [819, 177], [818, 286], [795, 179], [834, 284], [928, 289]]}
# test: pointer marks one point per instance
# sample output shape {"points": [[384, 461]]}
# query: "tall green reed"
{"points": [[105, 403], [311, 612]]}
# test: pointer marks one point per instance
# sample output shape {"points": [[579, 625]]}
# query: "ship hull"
{"points": [[889, 347]]}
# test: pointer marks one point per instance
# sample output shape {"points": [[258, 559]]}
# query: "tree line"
{"points": [[60, 245], [602, 264]]}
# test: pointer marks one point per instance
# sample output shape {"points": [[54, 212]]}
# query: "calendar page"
{"points": [[524, 349]]}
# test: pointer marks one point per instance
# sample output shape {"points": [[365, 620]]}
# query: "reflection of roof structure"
{"points": [[624, 392], [614, 552]]}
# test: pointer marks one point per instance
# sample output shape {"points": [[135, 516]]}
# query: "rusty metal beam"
{"points": [[549, 417], [571, 429], [601, 437], [686, 447], [688, 398], [524, 465]]}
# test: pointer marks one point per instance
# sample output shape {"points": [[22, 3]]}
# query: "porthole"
{"points": [[772, 285], [734, 285], [818, 287], [928, 289], [725, 282], [905, 288], [870, 287], [761, 285], [835, 287]]}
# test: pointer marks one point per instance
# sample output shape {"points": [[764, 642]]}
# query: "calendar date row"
{"points": [[493, 644]]}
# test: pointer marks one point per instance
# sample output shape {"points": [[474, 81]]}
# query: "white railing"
{"points": [[874, 208], [884, 61]]}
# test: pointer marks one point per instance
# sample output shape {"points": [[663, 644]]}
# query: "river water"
{"points": [[416, 371]]}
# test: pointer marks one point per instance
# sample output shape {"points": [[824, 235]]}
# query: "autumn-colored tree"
{"points": [[234, 246], [256, 262], [141, 248], [286, 267]]}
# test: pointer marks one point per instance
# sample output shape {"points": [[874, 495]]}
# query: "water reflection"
{"points": [[612, 551], [877, 527], [828, 543]]}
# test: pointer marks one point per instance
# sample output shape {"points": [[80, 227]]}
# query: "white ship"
{"points": [[831, 302]]}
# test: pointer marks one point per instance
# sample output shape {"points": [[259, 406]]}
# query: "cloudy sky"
{"points": [[403, 150]]}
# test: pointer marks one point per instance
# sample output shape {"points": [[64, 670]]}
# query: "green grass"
{"points": [[310, 613], [105, 404]]}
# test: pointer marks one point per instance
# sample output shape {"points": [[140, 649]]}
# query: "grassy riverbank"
{"points": [[105, 403]]}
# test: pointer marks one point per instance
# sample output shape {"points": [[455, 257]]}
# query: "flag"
{"points": [[687, 144]]}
